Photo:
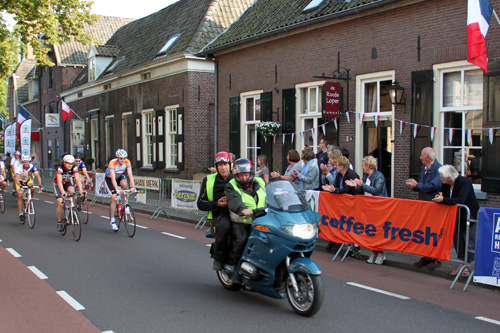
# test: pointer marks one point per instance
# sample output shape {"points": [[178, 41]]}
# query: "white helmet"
{"points": [[26, 158], [69, 159], [121, 153]]}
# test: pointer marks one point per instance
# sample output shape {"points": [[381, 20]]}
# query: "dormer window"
{"points": [[92, 69], [168, 45], [313, 4]]}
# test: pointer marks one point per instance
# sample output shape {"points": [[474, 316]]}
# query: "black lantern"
{"points": [[396, 93]]}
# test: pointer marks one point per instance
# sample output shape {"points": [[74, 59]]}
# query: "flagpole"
{"points": [[32, 115], [496, 16]]}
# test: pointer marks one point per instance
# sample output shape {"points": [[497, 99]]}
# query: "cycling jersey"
{"points": [[117, 167], [66, 174], [2, 167], [25, 174], [82, 166]]}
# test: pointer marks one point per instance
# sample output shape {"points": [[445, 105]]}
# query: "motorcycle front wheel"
{"points": [[310, 295], [225, 278]]}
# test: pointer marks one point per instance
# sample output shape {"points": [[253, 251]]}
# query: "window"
{"points": [[375, 96], [461, 118], [313, 4], [107, 86], [77, 136], [168, 45], [310, 106], [128, 132], [92, 69], [51, 79], [147, 138], [110, 137], [170, 134], [252, 116], [146, 76]]}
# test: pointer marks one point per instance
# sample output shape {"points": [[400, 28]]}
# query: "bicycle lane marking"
{"points": [[380, 291], [172, 235], [70, 300], [38, 272], [493, 321], [13, 252]]}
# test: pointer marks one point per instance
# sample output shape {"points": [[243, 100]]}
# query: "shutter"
{"points": [[160, 139], [422, 83], [234, 125], [323, 103], [179, 138], [266, 109], [138, 138], [490, 177], [288, 111]]}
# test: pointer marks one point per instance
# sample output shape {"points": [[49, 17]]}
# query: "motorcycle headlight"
{"points": [[304, 231]]}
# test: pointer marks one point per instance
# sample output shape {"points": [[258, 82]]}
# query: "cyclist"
{"points": [[63, 183], [23, 177], [82, 168], [15, 162], [114, 176], [3, 183]]}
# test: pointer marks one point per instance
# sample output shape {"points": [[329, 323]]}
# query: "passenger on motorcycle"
{"points": [[23, 177], [213, 200], [244, 193]]}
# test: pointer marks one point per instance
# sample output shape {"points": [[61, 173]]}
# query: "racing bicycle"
{"points": [[83, 207], [70, 217], [28, 205], [124, 212]]}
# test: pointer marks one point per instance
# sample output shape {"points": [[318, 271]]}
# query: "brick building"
{"points": [[276, 60]]}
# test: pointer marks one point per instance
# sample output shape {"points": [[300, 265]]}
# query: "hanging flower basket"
{"points": [[267, 128]]}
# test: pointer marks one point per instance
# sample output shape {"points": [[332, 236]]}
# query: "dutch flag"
{"points": [[478, 21]]}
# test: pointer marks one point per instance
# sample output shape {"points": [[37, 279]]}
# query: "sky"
{"points": [[129, 8]]}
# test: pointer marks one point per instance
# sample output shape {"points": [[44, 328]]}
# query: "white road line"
{"points": [[208, 245], [105, 217], [0, 240], [71, 301], [108, 332], [378, 290], [13, 252], [172, 235], [38, 272], [141, 226], [50, 202], [493, 321]]}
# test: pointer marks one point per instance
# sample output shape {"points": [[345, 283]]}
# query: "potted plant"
{"points": [[89, 161], [267, 128]]}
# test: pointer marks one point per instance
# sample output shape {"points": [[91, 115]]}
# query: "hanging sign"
{"points": [[332, 100]]}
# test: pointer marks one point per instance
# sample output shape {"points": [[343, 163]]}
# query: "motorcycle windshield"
{"points": [[285, 196]]}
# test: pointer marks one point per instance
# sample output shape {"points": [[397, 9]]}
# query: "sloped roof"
{"points": [[107, 50], [24, 67], [75, 53], [268, 16], [197, 21]]}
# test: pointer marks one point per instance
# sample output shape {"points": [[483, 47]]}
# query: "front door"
{"points": [[377, 143]]}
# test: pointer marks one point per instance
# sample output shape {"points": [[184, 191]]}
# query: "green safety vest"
{"points": [[248, 200], [210, 192]]}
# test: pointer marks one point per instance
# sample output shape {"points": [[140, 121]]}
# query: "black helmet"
{"points": [[243, 165]]}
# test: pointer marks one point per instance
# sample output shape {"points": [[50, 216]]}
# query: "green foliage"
{"points": [[44, 22]]}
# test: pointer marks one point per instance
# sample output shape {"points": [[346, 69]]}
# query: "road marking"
{"points": [[105, 217], [493, 321], [108, 332], [38, 272], [208, 245], [172, 235], [70, 300], [13, 252], [50, 202], [140, 226], [378, 290]]}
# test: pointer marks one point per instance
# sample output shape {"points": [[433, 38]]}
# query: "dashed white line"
{"points": [[38, 272], [50, 202], [141, 226], [13, 252], [70, 300], [378, 290], [172, 235], [108, 332], [105, 217], [493, 321]]}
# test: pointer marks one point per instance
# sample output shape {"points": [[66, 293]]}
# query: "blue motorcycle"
{"points": [[276, 261]]}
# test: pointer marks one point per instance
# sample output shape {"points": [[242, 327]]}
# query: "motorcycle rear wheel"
{"points": [[309, 298], [225, 278]]}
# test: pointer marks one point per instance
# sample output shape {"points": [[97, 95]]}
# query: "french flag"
{"points": [[22, 115], [478, 21]]}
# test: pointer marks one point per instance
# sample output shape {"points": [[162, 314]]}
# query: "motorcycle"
{"points": [[276, 261]]}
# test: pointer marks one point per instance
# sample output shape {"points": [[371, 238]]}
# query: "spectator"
{"points": [[329, 172], [263, 169], [427, 186], [343, 174], [309, 175], [373, 183], [458, 190], [293, 158], [322, 154]]}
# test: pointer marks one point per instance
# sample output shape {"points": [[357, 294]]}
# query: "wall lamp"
{"points": [[396, 94]]}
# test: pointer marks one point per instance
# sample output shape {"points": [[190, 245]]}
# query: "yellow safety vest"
{"points": [[210, 192], [248, 200]]}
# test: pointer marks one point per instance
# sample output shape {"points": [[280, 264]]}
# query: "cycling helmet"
{"points": [[26, 158], [243, 165], [17, 153], [222, 157], [69, 159], [121, 153]]}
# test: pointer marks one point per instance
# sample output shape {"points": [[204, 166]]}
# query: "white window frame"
{"points": [[247, 125], [307, 114], [171, 149], [147, 119], [438, 117]]}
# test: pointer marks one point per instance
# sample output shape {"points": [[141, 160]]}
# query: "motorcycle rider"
{"points": [[244, 193], [213, 200]]}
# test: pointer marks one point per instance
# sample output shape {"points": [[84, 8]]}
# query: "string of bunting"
{"points": [[401, 123]]}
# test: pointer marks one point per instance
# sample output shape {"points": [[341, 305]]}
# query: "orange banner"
{"points": [[417, 227]]}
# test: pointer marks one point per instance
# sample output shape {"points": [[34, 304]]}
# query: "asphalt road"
{"points": [[161, 281]]}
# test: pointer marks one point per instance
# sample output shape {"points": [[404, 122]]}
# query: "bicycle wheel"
{"points": [[31, 214], [24, 210], [2, 205], [129, 219], [84, 212], [76, 226]]}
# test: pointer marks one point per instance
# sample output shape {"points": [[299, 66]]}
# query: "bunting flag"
{"points": [[375, 119], [401, 125], [312, 131], [416, 127], [335, 123], [468, 134], [478, 21], [491, 134], [433, 131], [361, 117], [451, 131], [293, 136], [347, 116], [324, 129]]}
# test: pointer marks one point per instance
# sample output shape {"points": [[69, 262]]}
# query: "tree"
{"points": [[44, 22]]}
